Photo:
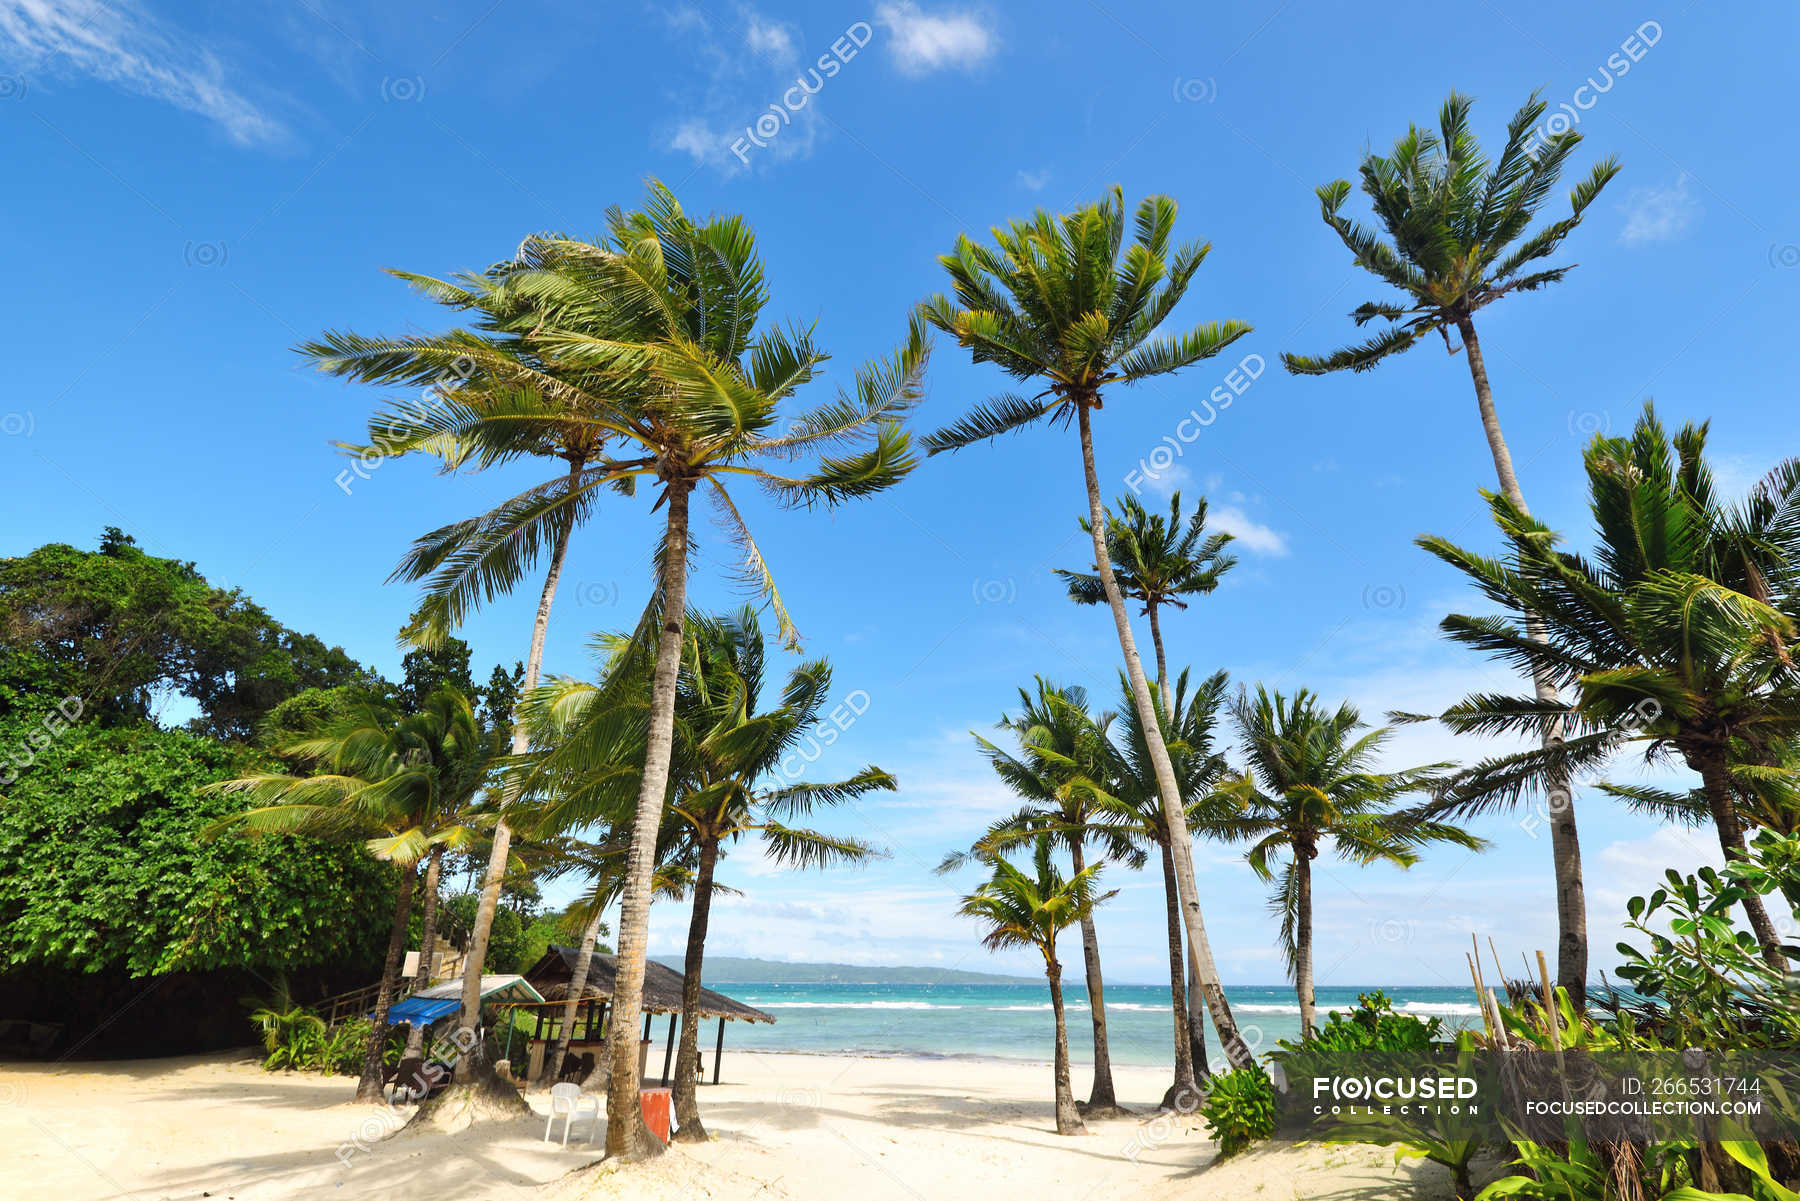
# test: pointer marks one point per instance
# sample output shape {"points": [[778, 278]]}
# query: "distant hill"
{"points": [[726, 969]]}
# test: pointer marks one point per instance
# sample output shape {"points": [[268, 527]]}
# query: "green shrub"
{"points": [[294, 1038], [345, 1047], [1239, 1109]]}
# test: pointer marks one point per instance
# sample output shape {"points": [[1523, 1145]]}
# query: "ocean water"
{"points": [[1010, 1021]]}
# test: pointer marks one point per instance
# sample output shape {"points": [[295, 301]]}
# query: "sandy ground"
{"points": [[812, 1128]]}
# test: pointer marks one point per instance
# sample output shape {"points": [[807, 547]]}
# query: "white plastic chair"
{"points": [[569, 1101]]}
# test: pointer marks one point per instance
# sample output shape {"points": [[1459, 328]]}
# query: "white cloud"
{"points": [[1251, 534], [770, 39], [923, 42], [1659, 214], [751, 106], [1034, 181], [693, 137], [122, 45]]}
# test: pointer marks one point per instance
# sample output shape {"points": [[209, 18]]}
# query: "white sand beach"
{"points": [[806, 1127]]}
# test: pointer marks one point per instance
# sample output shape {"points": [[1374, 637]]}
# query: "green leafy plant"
{"points": [[1372, 1026], [294, 1038], [1711, 975], [1240, 1109]]}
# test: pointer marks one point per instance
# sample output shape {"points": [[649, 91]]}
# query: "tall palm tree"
{"points": [[1459, 242], [1673, 635], [1059, 773], [1055, 303], [406, 786], [490, 398], [1157, 562], [1134, 808], [1020, 910], [675, 303], [733, 788], [1312, 782]]}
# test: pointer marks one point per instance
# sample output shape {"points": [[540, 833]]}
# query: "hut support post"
{"points": [[718, 1050], [669, 1051]]}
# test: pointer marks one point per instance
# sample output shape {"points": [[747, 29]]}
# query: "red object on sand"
{"points": [[655, 1103]]}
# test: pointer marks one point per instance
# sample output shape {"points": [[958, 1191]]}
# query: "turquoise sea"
{"points": [[1010, 1021]]}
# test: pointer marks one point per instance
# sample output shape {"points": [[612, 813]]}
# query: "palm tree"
{"points": [[733, 787], [1673, 635], [1135, 802], [1156, 563], [489, 398], [1311, 782], [1054, 302], [1060, 774], [1456, 230], [674, 303], [406, 786], [1020, 910]]}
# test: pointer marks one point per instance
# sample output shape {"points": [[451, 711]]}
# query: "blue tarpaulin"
{"points": [[424, 1010]]}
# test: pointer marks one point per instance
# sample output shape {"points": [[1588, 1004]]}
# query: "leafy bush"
{"points": [[1371, 1026], [345, 1047], [294, 1038], [1708, 973], [1239, 1109]]}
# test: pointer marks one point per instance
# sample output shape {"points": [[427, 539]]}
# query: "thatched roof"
{"points": [[553, 974]]}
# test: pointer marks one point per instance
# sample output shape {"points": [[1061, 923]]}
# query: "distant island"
{"points": [[727, 969]]}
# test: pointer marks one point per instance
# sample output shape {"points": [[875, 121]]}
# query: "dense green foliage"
{"points": [[102, 866], [119, 627], [1239, 1109]]}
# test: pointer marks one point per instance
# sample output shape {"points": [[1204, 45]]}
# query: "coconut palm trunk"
{"points": [[369, 1087], [687, 1059], [1715, 781], [1068, 1118], [1199, 947], [415, 1032], [476, 959], [1303, 936], [1102, 1099], [1565, 842], [626, 1134], [1162, 661], [590, 935], [1184, 1094]]}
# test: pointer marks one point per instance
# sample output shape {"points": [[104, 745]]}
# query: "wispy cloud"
{"points": [[1034, 181], [760, 95], [1659, 214], [1250, 533], [123, 45], [922, 42]]}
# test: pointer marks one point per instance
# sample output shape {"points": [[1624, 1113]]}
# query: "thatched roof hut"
{"points": [[553, 974]]}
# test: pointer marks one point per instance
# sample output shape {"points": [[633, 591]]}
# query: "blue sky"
{"points": [[197, 187]]}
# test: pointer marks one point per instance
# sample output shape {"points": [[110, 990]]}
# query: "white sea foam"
{"points": [[851, 1005]]}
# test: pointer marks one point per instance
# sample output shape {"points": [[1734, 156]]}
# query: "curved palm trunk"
{"points": [[476, 959], [1101, 1098], [687, 1059], [1196, 1017], [1162, 662], [1715, 781], [590, 934], [1068, 1118], [369, 1087], [1184, 1094], [415, 1031], [626, 1134], [1303, 926], [1565, 842], [1199, 948]]}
